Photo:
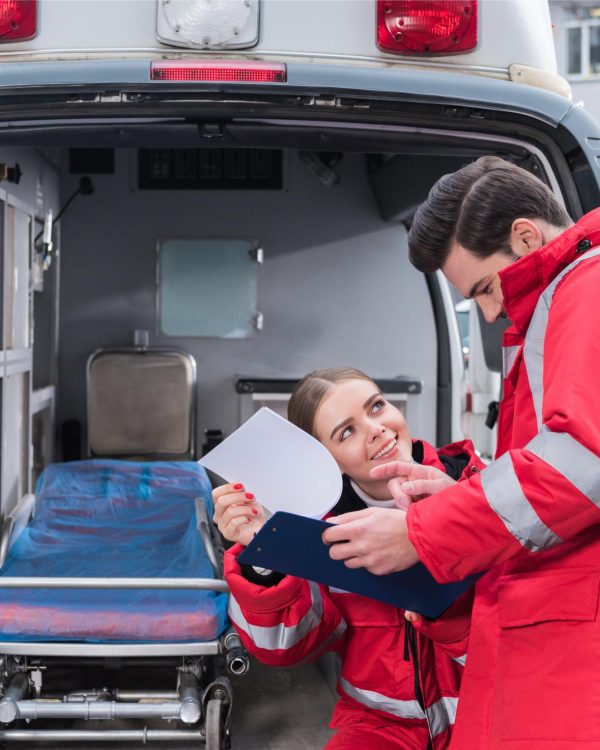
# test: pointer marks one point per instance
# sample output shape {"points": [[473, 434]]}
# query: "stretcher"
{"points": [[112, 568]]}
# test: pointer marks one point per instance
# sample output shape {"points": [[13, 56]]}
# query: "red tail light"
{"points": [[426, 27], [218, 70], [18, 20]]}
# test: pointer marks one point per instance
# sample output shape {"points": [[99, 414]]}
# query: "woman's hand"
{"points": [[237, 514], [410, 482]]}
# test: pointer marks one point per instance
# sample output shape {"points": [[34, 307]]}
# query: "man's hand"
{"points": [[411, 481], [375, 538]]}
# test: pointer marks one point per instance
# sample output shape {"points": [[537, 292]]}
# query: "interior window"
{"points": [[208, 287]]}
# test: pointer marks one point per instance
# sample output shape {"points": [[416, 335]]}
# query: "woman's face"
{"points": [[362, 430]]}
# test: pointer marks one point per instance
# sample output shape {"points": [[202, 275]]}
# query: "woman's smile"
{"points": [[389, 446]]}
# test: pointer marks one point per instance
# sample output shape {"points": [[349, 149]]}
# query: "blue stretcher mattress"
{"points": [[103, 518]]}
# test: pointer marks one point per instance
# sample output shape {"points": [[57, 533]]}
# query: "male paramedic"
{"points": [[531, 518]]}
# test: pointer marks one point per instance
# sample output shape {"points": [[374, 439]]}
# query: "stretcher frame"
{"points": [[201, 699]]}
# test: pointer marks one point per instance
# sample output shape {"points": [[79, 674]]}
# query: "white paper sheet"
{"points": [[283, 466]]}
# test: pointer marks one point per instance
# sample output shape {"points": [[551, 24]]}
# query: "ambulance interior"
{"points": [[252, 252]]}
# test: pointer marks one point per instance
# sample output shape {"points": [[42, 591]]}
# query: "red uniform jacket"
{"points": [[531, 679], [297, 620]]}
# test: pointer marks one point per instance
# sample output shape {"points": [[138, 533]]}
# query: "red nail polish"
{"points": [[238, 486], [255, 511], [249, 496]]}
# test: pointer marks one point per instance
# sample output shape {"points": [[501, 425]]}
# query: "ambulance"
{"points": [[232, 182]]}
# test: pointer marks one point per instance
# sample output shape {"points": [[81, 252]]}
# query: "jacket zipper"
{"points": [[411, 654]]}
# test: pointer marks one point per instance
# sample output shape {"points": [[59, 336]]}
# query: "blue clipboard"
{"points": [[292, 544]]}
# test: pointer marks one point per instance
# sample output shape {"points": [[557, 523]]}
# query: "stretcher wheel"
{"points": [[214, 725]]}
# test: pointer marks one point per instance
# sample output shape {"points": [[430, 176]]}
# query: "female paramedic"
{"points": [[397, 688]]}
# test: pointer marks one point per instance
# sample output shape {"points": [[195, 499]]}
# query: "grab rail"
{"points": [[203, 526], [15, 582]]}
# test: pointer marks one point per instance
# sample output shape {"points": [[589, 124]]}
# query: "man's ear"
{"points": [[525, 236]]}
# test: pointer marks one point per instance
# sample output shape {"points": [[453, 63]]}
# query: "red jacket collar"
{"points": [[430, 455], [524, 281]]}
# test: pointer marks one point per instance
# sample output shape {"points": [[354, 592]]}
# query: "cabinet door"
{"points": [[15, 371]]}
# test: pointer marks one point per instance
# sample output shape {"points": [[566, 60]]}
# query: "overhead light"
{"points": [[208, 24], [321, 165]]}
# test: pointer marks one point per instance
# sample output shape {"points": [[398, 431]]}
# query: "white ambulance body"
{"points": [[499, 32]]}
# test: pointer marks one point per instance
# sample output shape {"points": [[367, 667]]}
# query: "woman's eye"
{"points": [[378, 405], [346, 433]]}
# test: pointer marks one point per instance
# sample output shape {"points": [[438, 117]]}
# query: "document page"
{"points": [[283, 466]]}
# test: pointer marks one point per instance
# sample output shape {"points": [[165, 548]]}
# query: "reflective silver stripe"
{"points": [[509, 354], [533, 351], [280, 637], [533, 355], [379, 702], [506, 498], [441, 715], [570, 458], [338, 632], [462, 660]]}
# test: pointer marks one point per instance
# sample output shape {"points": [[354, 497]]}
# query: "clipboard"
{"points": [[292, 544]]}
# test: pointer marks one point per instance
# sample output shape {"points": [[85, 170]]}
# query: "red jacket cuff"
{"points": [[253, 597]]}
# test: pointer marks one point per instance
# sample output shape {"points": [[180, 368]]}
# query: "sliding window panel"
{"points": [[15, 438], [17, 266]]}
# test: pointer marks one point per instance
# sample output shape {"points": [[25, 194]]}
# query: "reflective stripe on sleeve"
{"points": [[533, 355], [280, 636], [507, 499], [533, 350], [561, 451], [462, 660], [440, 715], [570, 458], [509, 354]]}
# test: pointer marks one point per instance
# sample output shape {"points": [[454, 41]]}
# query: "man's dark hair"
{"points": [[476, 207]]}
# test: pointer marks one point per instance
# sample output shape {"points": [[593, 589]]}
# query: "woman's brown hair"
{"points": [[310, 391]]}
